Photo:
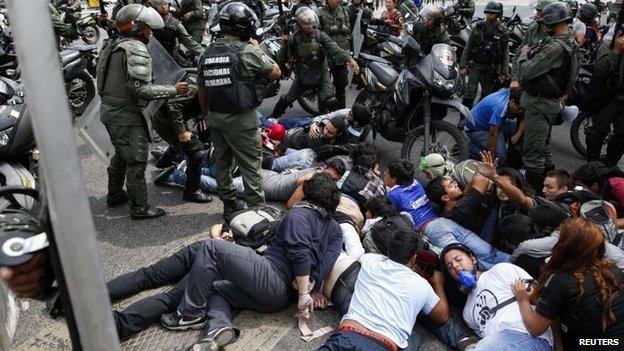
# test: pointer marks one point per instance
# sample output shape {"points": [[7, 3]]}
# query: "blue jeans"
{"points": [[479, 141], [207, 182], [443, 231], [510, 340], [290, 123], [346, 340], [449, 333], [301, 159]]}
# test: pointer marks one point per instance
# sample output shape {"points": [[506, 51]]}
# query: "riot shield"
{"points": [[88, 126], [358, 40]]}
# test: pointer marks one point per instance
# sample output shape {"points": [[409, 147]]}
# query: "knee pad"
{"points": [[331, 104]]}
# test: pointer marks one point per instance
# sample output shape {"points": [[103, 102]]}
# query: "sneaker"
{"points": [[162, 179], [467, 343], [176, 321], [116, 199], [216, 339]]}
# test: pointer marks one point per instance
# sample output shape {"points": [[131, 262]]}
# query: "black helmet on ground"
{"points": [[239, 20], [494, 7], [588, 12], [555, 13]]}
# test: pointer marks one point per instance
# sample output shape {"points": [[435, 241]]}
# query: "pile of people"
{"points": [[532, 255]]}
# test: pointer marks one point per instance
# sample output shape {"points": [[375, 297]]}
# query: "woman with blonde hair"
{"points": [[581, 288]]}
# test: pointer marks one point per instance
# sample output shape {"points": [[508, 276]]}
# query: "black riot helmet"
{"points": [[494, 7], [573, 7], [555, 13], [588, 12], [239, 20]]}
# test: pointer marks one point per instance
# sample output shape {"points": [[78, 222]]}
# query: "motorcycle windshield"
{"points": [[150, 17], [444, 60]]}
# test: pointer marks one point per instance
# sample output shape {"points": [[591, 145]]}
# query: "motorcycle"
{"points": [[78, 62], [8, 56], [515, 32], [408, 107], [87, 26], [18, 154], [458, 29]]}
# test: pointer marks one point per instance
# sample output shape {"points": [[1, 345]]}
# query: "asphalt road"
{"points": [[126, 245]]}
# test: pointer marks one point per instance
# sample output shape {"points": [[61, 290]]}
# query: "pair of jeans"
{"points": [[347, 340], [511, 340], [292, 158], [443, 231], [479, 141]]}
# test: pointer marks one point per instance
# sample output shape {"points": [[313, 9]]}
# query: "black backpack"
{"points": [[253, 226]]}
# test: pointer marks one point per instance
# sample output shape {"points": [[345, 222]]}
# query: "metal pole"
{"points": [[70, 214]]}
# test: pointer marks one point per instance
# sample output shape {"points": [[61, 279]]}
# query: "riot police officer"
{"points": [[231, 78], [308, 48], [124, 77], [547, 74], [255, 5], [608, 68], [485, 58], [465, 8], [192, 16], [430, 30], [367, 15], [174, 32], [334, 20], [170, 123], [537, 31], [61, 29]]}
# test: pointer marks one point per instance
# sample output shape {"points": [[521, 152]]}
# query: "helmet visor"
{"points": [[150, 17]]}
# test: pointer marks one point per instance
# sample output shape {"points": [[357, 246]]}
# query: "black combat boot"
{"points": [[147, 212], [196, 196], [115, 199]]}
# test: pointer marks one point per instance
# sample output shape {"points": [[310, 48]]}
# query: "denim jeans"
{"points": [[292, 158], [290, 123], [511, 340], [443, 231], [207, 182], [479, 141], [449, 333]]}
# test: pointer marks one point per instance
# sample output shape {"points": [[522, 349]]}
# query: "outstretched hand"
{"points": [[488, 158]]}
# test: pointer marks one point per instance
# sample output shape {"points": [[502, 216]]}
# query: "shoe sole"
{"points": [[225, 338], [186, 327]]}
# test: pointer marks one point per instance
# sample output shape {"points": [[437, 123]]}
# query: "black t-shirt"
{"points": [[469, 211], [582, 318], [531, 265]]}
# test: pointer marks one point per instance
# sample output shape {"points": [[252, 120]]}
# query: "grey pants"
{"points": [[225, 275]]}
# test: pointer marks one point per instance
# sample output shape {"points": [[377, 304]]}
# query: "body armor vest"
{"points": [[337, 25], [167, 36], [309, 59], [226, 90], [558, 81], [488, 49], [113, 78]]}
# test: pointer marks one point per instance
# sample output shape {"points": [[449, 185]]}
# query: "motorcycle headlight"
{"points": [[5, 137], [442, 82]]}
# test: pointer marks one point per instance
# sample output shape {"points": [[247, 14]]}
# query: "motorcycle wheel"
{"points": [[578, 134], [90, 34], [446, 139], [309, 102], [80, 92]]}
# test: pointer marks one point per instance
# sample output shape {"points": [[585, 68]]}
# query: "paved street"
{"points": [[126, 245]]}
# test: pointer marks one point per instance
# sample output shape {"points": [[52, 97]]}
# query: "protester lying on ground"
{"points": [[466, 207], [380, 215], [491, 309], [605, 181], [304, 138], [547, 217], [579, 287], [556, 183], [227, 274], [389, 281], [496, 122], [408, 195], [363, 181], [277, 186], [514, 230]]}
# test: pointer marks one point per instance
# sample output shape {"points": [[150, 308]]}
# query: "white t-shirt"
{"points": [[494, 288], [388, 297], [351, 242], [578, 26]]}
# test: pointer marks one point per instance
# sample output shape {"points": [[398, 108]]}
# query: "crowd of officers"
{"points": [[233, 71]]}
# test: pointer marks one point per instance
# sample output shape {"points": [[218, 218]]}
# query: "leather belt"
{"points": [[355, 327]]}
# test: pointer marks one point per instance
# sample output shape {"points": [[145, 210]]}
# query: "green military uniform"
{"points": [[124, 76], [486, 56], [173, 33], [236, 135], [61, 29], [535, 34], [466, 8], [367, 16], [336, 24], [309, 54], [427, 38], [546, 75], [196, 24], [609, 103]]}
